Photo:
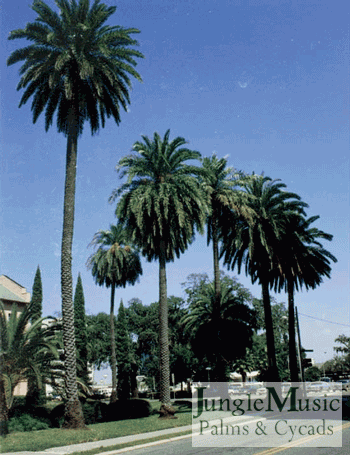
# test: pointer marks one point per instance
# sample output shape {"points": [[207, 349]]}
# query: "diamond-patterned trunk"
{"points": [[73, 412]]}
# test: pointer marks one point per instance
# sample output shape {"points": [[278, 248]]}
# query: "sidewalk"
{"points": [[106, 443]]}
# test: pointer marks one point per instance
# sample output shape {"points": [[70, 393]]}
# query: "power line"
{"points": [[324, 320]]}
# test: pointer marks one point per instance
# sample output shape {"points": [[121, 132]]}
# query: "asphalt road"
{"points": [[183, 446]]}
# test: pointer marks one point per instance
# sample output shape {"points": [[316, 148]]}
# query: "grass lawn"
{"points": [[45, 439]]}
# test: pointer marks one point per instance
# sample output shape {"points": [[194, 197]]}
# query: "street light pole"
{"points": [[208, 369]]}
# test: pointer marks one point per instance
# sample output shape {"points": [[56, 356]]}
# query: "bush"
{"points": [[34, 411], [18, 400], [128, 409], [28, 422], [183, 394], [57, 416], [94, 412]]}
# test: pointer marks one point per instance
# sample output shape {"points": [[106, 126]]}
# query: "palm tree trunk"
{"points": [[216, 256], [114, 396], [273, 375], [166, 410], [219, 372], [293, 365], [73, 411]]}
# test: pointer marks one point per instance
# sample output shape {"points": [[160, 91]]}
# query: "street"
{"points": [[183, 446]]}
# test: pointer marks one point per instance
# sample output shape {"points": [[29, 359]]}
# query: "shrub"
{"points": [[94, 412], [57, 416], [128, 409], [28, 422], [34, 411], [183, 394]]}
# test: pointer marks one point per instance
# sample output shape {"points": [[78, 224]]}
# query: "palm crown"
{"points": [[76, 64], [161, 201], [116, 262]]}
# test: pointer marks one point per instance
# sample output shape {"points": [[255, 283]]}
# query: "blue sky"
{"points": [[264, 82]]}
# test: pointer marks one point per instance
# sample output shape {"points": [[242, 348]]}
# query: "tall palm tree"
{"points": [[27, 352], [230, 326], [161, 204], [116, 263], [78, 67], [305, 262], [256, 243], [222, 185]]}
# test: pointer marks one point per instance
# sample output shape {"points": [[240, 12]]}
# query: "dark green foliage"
{"points": [[214, 327], [255, 242], [81, 330], [143, 325], [124, 356], [37, 296], [28, 350], [312, 374], [28, 422], [99, 343], [28, 418], [76, 63], [96, 411], [36, 396], [128, 409]]}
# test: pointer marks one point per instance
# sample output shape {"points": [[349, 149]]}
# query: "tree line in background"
{"points": [[80, 69]]}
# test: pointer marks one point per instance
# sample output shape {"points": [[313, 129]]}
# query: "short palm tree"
{"points": [[305, 262], [161, 204], [78, 67], [27, 351], [116, 263], [257, 243], [230, 325]]}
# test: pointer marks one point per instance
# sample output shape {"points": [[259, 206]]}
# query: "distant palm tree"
{"points": [[231, 327], [222, 185], [80, 68], [161, 204], [256, 243], [116, 263], [27, 351], [304, 263]]}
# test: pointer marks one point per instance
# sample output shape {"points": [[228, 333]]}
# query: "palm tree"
{"points": [[256, 243], [305, 262], [114, 264], [28, 352], [221, 182], [231, 327], [80, 68], [161, 204]]}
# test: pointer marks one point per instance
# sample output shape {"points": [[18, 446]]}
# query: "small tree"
{"points": [[37, 296], [115, 263], [81, 329], [36, 396]]}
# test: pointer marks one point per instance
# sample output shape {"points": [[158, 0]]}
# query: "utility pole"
{"points": [[299, 352]]}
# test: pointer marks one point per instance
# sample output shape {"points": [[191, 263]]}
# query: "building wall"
{"points": [[21, 292]]}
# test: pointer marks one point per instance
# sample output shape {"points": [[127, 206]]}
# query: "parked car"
{"points": [[319, 386], [235, 389], [342, 384], [257, 389]]}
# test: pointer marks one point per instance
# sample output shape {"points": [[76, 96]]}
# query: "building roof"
{"points": [[14, 281], [5, 294]]}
